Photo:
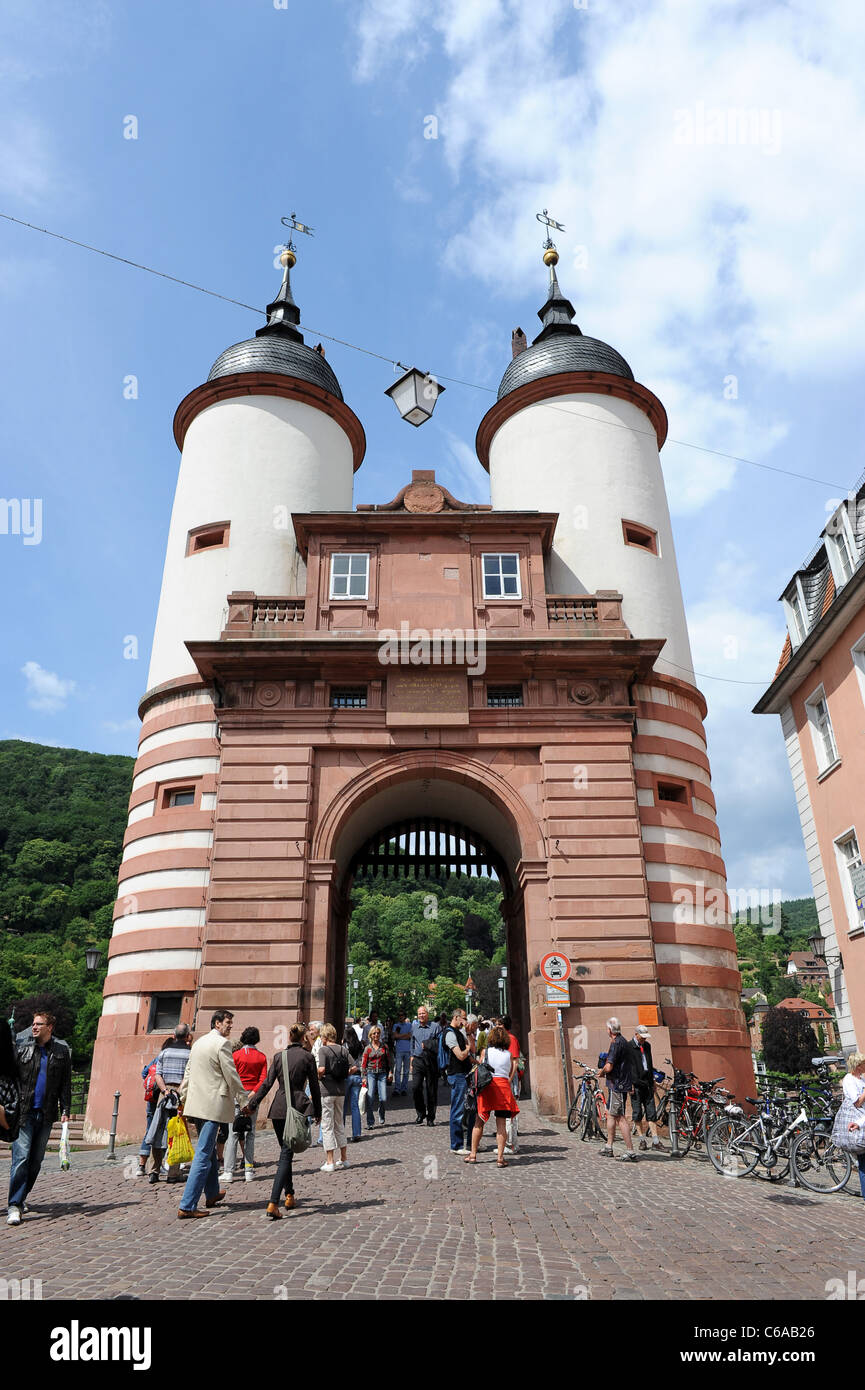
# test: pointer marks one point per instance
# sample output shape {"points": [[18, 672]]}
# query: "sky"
{"points": [[720, 256]]}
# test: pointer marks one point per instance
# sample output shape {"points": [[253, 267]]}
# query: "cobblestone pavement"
{"points": [[408, 1219]]}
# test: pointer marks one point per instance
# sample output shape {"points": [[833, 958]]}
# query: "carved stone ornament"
{"points": [[269, 693], [582, 693], [423, 497]]}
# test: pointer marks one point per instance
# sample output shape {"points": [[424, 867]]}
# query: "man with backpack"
{"points": [[618, 1070], [456, 1059], [643, 1112], [151, 1096]]}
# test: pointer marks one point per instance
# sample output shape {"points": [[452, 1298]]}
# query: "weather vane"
{"points": [[296, 226], [548, 223]]}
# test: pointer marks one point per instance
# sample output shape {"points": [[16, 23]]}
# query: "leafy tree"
{"points": [[788, 1042], [55, 1003]]}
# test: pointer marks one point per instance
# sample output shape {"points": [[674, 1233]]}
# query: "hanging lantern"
{"points": [[415, 395]]}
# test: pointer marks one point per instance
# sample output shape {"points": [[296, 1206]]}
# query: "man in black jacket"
{"points": [[45, 1069], [643, 1110]]}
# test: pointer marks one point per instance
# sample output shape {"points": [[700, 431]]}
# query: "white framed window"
{"points": [[796, 612], [349, 576], [849, 858], [825, 748], [841, 546], [501, 575]]}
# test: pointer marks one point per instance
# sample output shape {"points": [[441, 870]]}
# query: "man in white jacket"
{"points": [[208, 1091]]}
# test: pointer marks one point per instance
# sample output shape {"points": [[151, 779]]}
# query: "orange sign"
{"points": [[647, 1014]]}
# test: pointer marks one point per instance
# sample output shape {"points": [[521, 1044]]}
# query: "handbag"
{"points": [[363, 1098], [180, 1148], [483, 1075], [295, 1132], [849, 1140]]}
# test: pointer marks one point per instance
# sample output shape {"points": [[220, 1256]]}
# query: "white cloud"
{"points": [[46, 691], [121, 726], [704, 259]]}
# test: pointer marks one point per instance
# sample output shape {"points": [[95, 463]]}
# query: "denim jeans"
{"points": [[401, 1069], [376, 1082], [458, 1083], [283, 1181], [861, 1158], [149, 1106], [204, 1173], [229, 1154], [28, 1152], [352, 1091]]}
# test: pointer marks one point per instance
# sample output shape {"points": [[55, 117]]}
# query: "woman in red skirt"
{"points": [[497, 1098]]}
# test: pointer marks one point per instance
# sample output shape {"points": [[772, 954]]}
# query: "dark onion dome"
{"points": [[560, 346], [278, 346]]}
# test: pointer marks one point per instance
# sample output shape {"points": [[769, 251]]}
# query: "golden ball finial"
{"points": [[287, 257], [551, 256]]}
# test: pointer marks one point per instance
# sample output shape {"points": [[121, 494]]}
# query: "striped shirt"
{"points": [[171, 1063]]}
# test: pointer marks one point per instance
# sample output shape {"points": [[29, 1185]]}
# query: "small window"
{"points": [[164, 1012], [207, 537], [182, 798], [641, 536], [501, 576], [348, 697], [849, 860], [825, 747], [673, 791], [796, 619], [504, 696], [173, 797], [349, 576]]}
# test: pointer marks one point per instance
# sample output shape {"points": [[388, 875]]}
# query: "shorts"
{"points": [[615, 1103], [643, 1103]]}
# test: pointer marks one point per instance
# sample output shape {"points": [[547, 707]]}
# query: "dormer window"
{"points": [[794, 607], [841, 546], [349, 576], [501, 576]]}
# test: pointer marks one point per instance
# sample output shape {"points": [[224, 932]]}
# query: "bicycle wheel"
{"points": [[817, 1164], [684, 1130], [732, 1153], [575, 1114]]}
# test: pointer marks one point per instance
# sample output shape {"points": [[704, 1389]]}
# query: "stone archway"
{"points": [[457, 788]]}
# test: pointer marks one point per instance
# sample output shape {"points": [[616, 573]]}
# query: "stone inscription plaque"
{"points": [[427, 697]]}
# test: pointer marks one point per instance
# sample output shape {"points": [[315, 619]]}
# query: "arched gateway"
{"points": [[322, 674]]}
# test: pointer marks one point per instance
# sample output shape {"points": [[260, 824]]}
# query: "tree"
{"points": [[23, 1012], [788, 1042]]}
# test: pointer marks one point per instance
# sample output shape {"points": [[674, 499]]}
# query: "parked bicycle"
{"points": [[588, 1113]]}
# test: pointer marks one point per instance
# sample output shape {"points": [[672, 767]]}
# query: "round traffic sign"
{"points": [[555, 967]]}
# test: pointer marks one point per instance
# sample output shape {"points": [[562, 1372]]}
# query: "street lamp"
{"points": [[470, 989], [92, 957], [369, 995], [348, 1007], [818, 949], [415, 395], [503, 989]]}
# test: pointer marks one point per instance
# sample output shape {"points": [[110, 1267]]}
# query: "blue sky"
{"points": [[699, 257]]}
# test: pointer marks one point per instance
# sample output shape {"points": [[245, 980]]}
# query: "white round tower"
{"points": [[572, 432], [267, 435]]}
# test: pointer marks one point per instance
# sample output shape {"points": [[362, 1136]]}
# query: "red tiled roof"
{"points": [[830, 593], [806, 960], [786, 653], [802, 1006]]}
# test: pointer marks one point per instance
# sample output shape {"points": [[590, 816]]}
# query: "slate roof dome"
{"points": [[279, 347], [560, 346]]}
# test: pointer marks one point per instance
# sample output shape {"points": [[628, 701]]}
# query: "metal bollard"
{"points": [[674, 1131], [111, 1156]]}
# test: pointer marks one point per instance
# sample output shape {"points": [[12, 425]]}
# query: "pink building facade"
{"points": [[819, 693]]}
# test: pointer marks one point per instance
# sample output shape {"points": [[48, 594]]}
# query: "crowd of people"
{"points": [[324, 1080]]}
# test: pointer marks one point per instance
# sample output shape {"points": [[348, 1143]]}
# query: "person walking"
{"points": [[207, 1093], [171, 1067], [619, 1072], [45, 1073], [496, 1098], [375, 1070], [643, 1110], [470, 1108], [516, 1084], [151, 1100], [424, 1048], [371, 1022], [302, 1078], [853, 1087], [401, 1040], [351, 1105], [334, 1065], [10, 1086], [459, 1048], [252, 1069]]}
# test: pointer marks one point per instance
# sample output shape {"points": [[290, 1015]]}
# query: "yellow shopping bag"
{"points": [[180, 1148]]}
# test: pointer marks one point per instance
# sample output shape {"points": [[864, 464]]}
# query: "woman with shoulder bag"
{"points": [[297, 1062], [496, 1097], [352, 1042], [10, 1086], [334, 1065], [853, 1087]]}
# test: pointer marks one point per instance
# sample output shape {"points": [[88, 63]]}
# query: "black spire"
{"points": [[557, 312], [282, 313]]}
